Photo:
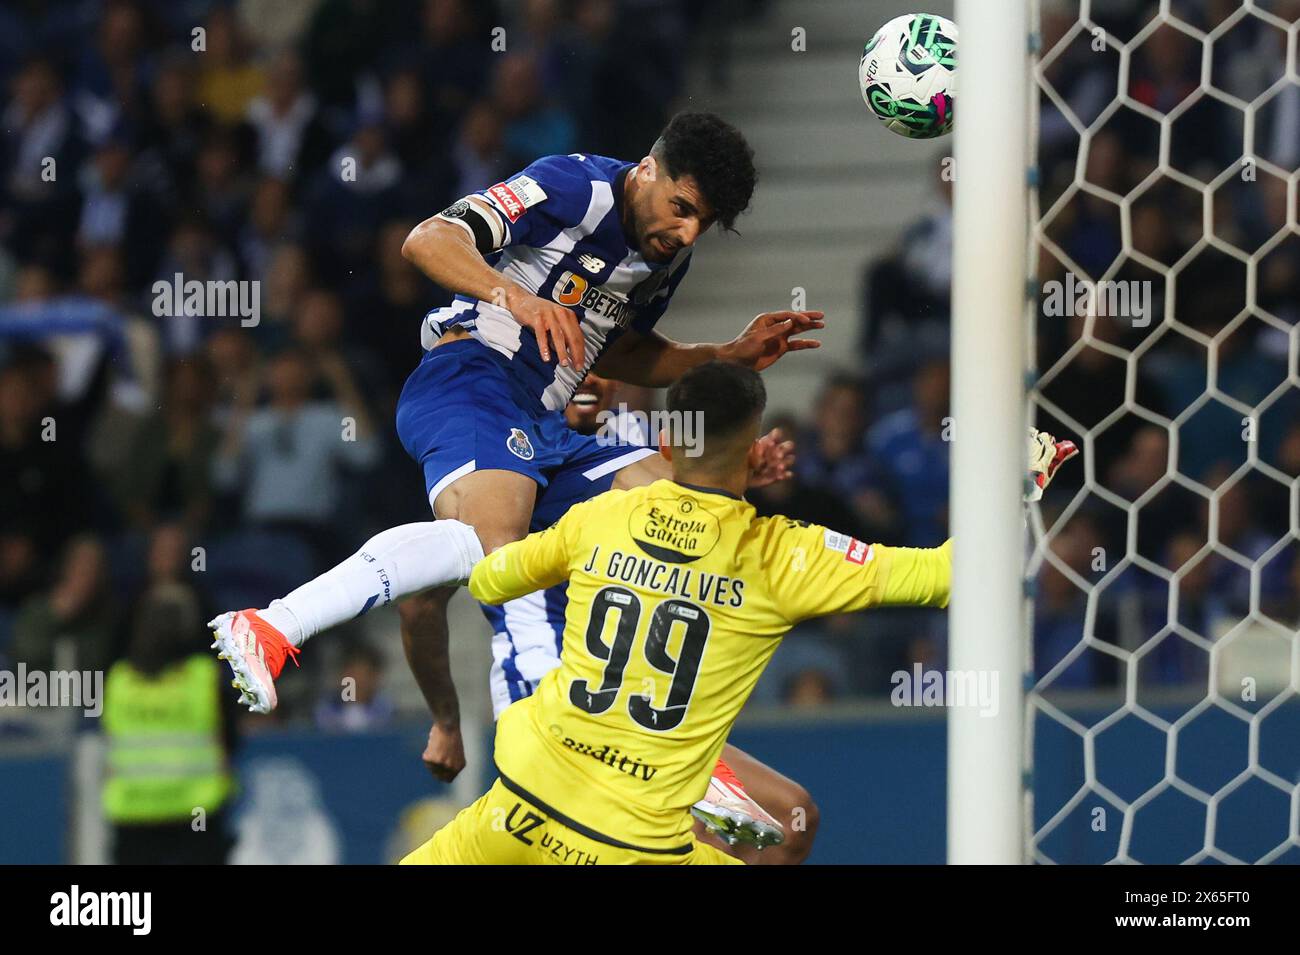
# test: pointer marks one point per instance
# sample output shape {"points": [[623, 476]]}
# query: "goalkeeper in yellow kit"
{"points": [[678, 596]]}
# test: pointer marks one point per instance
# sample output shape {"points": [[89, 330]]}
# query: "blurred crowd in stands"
{"points": [[142, 453], [144, 448]]}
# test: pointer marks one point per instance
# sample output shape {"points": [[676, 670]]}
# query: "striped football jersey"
{"points": [[556, 229]]}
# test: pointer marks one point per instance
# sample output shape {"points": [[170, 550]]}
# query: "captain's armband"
{"points": [[482, 223]]}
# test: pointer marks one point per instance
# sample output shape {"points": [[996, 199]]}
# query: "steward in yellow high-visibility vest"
{"points": [[166, 756], [168, 779]]}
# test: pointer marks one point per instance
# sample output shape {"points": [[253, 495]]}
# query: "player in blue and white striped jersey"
{"points": [[557, 230], [562, 269]]}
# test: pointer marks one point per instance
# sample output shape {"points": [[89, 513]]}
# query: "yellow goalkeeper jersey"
{"points": [[678, 596]]}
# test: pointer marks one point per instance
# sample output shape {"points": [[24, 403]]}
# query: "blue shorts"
{"points": [[459, 412]]}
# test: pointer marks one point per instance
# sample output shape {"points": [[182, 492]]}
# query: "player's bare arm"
{"points": [[447, 254], [656, 361], [426, 643]]}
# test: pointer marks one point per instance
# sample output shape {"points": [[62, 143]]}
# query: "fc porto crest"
{"points": [[519, 444]]}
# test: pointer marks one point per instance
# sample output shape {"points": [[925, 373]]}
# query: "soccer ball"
{"points": [[908, 75]]}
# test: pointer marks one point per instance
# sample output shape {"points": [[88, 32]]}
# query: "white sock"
{"points": [[392, 564]]}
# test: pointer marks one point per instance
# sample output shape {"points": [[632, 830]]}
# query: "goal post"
{"points": [[990, 241]]}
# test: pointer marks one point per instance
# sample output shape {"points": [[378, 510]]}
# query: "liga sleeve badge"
{"points": [[516, 196], [859, 552], [854, 550]]}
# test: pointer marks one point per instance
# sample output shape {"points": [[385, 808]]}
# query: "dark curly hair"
{"points": [[714, 153], [723, 395]]}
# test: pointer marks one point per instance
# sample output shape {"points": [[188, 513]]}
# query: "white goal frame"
{"points": [[990, 259]]}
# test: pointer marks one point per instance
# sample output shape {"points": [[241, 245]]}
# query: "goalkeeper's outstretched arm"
{"points": [[816, 571]]}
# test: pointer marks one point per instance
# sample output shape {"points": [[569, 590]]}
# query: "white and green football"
{"points": [[908, 75]]}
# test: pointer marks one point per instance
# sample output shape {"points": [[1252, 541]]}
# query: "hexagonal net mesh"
{"points": [[1163, 703]]}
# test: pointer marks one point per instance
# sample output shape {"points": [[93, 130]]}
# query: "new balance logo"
{"points": [[591, 263]]}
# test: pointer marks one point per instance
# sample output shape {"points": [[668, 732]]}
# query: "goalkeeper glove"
{"points": [[1046, 455]]}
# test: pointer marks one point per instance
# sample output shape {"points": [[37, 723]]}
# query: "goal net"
{"points": [[1162, 718]]}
